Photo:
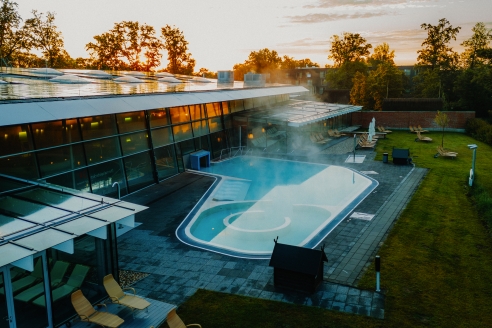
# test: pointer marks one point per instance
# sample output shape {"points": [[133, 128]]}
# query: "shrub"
{"points": [[480, 130], [483, 201]]}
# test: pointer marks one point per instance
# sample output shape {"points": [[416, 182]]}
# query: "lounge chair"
{"points": [[117, 295], [338, 133], [445, 153], [174, 321], [87, 313], [383, 130], [420, 138], [76, 279], [332, 133], [421, 130], [57, 274], [412, 129], [313, 138], [24, 282]]}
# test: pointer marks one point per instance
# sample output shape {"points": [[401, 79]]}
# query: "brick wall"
{"points": [[401, 120]]}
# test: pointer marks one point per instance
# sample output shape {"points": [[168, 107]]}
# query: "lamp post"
{"points": [[472, 171]]}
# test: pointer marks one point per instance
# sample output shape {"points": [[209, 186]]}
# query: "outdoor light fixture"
{"points": [[472, 171]]}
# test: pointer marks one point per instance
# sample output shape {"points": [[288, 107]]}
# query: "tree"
{"points": [[128, 45], [342, 77], [240, 70], [352, 47], [106, 51], [358, 94], [436, 52], [442, 120], [180, 61], [263, 60], [478, 42], [204, 72], [382, 54], [43, 34], [12, 36], [291, 63]]}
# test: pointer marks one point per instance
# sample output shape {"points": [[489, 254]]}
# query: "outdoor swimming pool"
{"points": [[254, 200]]}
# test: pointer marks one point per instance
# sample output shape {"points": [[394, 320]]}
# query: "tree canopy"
{"points": [[351, 47], [476, 45], [436, 52], [180, 61]]}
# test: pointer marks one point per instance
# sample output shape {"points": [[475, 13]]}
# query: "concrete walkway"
{"points": [[178, 270]]}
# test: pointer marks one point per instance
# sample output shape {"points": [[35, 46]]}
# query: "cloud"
{"points": [[320, 18], [366, 3]]}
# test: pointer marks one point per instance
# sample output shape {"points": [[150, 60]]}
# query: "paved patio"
{"points": [[177, 270]]}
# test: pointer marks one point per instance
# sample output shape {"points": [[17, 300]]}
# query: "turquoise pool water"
{"points": [[255, 200]]}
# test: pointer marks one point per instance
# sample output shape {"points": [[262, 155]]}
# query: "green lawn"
{"points": [[436, 263]]}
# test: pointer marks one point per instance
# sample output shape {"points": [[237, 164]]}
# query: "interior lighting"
{"points": [[22, 135], [128, 139], [250, 136], [128, 119], [6, 136], [94, 124]]}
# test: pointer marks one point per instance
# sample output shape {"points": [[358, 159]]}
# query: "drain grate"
{"points": [[362, 216]]}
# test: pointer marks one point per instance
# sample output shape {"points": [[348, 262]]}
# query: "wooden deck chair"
{"points": [[383, 129], [444, 153], [331, 133], [87, 313], [420, 138], [74, 282], [412, 129], [117, 295], [174, 321], [338, 133], [57, 274], [421, 130]]}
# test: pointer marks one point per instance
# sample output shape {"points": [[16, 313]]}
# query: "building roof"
{"points": [[40, 110], [300, 112], [41, 83], [38, 216]]}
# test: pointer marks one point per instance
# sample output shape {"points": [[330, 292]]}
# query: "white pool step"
{"points": [[232, 190]]}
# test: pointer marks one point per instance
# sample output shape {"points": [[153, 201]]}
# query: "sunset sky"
{"points": [[222, 33]]}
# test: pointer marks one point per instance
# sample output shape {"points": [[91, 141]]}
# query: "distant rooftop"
{"points": [[24, 83]]}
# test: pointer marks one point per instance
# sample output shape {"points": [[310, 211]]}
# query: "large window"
{"points": [[98, 126], [15, 139], [200, 128], [104, 175], [138, 171], [182, 132], [158, 117], [165, 162], [21, 166], [102, 150], [78, 179], [161, 137], [215, 124], [179, 114], [61, 159], [128, 122], [135, 142], [213, 109], [49, 134], [197, 112]]}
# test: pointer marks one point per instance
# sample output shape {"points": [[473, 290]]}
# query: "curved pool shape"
{"points": [[254, 200]]}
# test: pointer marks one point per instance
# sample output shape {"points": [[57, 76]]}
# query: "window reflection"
{"points": [[78, 180], [128, 122], [102, 150], [200, 128], [197, 112], [135, 142], [138, 171], [103, 176], [60, 159], [165, 162], [158, 117], [179, 114], [213, 109], [215, 124], [182, 132], [98, 126], [161, 137], [225, 107], [49, 134], [21, 166], [15, 139]]}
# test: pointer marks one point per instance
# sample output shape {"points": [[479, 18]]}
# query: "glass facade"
{"points": [[140, 148]]}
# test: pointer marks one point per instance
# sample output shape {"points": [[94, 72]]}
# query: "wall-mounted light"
{"points": [[250, 136], [263, 130]]}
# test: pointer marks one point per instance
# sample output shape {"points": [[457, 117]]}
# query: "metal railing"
{"points": [[229, 151]]}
